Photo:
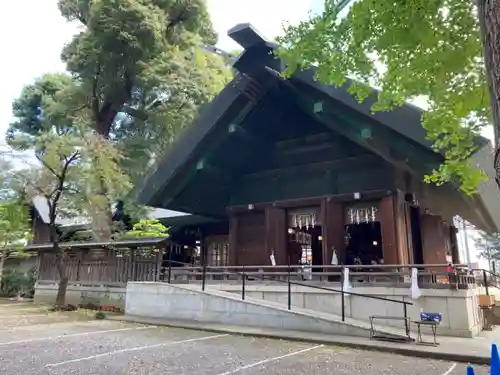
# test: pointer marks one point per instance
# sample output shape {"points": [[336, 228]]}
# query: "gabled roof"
{"points": [[258, 70], [42, 208]]}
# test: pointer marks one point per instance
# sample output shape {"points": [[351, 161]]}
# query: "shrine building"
{"points": [[274, 162]]}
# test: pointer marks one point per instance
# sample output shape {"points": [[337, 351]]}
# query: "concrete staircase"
{"points": [[190, 303]]}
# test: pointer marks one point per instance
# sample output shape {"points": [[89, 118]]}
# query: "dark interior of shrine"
{"points": [[364, 240], [416, 234]]}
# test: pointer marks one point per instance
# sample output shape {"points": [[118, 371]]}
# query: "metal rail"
{"points": [[289, 282]]}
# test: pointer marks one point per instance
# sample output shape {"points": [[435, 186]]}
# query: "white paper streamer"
{"points": [[335, 259], [415, 290]]}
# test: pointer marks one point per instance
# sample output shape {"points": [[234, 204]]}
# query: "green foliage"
{"points": [[15, 227], [100, 315], [137, 85], [408, 49], [15, 282], [74, 165], [38, 109], [147, 228]]}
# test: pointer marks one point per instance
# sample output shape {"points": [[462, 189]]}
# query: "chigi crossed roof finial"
{"points": [[246, 35]]}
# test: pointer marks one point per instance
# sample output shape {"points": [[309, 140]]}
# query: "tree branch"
{"points": [[51, 170]]}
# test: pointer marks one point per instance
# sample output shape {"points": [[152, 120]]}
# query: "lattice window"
{"points": [[217, 254]]}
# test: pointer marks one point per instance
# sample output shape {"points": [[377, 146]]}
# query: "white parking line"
{"points": [[72, 335], [270, 360], [450, 370], [17, 304], [47, 313], [52, 325], [132, 350]]}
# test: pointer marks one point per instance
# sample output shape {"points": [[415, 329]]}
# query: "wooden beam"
{"points": [[370, 136], [341, 163], [311, 201], [312, 139]]}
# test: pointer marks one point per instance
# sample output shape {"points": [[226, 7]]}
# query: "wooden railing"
{"points": [[112, 271], [116, 271], [429, 276]]}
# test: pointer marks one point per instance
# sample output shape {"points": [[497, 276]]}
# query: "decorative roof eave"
{"points": [[153, 242], [184, 150]]}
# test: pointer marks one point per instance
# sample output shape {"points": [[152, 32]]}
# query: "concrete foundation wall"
{"points": [[461, 314], [167, 301], [76, 295]]}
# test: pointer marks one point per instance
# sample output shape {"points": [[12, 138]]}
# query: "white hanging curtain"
{"points": [[347, 283], [335, 259], [415, 290]]}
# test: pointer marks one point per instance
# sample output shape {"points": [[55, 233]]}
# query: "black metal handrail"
{"points": [[290, 283], [485, 272]]}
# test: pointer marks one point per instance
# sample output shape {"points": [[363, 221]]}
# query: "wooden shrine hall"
{"points": [[276, 165]]}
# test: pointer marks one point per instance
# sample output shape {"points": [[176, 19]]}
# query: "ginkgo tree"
{"points": [[444, 51]]}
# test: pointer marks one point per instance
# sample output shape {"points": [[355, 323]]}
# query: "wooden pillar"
{"points": [[434, 241], [333, 230], [389, 233], [134, 264], [454, 244], [233, 240], [403, 229], [276, 234]]}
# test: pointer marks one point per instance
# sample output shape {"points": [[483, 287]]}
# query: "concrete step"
{"points": [[380, 330]]}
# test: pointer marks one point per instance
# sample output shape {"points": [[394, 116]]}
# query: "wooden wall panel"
{"points": [[251, 239], [333, 230], [388, 228], [454, 244], [276, 234], [41, 231], [233, 240], [434, 239]]}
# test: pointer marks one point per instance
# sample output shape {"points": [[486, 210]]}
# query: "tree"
{"points": [[147, 228], [139, 86], [15, 229], [489, 245], [410, 49], [73, 165]]}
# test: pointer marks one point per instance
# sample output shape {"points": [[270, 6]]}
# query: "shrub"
{"points": [[15, 282], [100, 315]]}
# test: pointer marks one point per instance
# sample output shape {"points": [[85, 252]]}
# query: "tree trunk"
{"points": [[63, 277], [60, 264], [489, 20], [102, 222]]}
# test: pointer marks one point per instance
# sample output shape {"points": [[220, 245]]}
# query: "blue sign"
{"points": [[431, 317]]}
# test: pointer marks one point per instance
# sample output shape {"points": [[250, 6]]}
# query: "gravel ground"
{"points": [[49, 344]]}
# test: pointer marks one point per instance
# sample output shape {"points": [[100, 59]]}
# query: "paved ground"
{"points": [[33, 341]]}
